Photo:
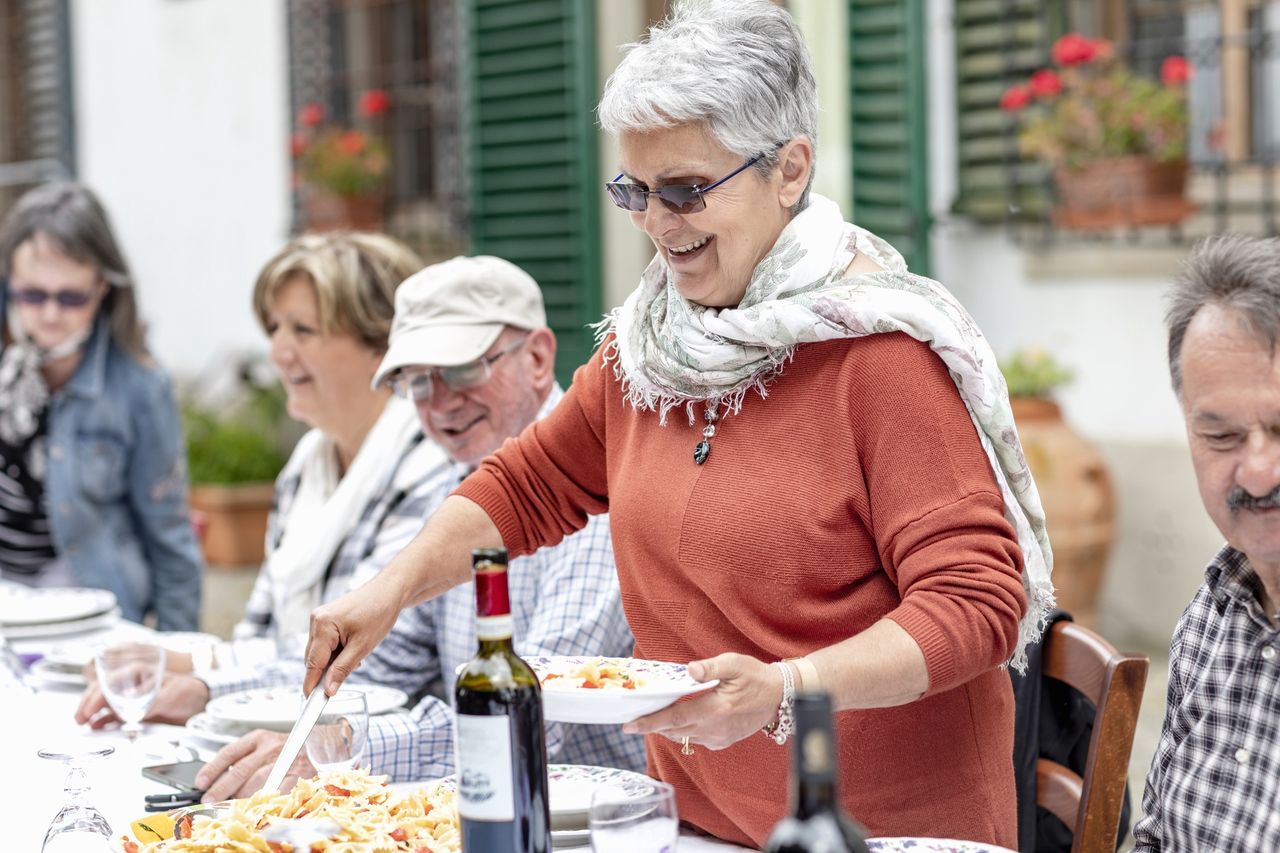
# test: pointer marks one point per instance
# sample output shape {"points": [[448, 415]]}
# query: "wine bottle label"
{"points": [[485, 778], [494, 627]]}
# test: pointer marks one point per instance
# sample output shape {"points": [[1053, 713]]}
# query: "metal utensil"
{"points": [[300, 833], [297, 736]]}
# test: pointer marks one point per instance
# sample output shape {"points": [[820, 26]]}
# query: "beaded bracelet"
{"points": [[780, 729]]}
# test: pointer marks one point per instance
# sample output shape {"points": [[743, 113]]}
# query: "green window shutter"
{"points": [[534, 184], [889, 134], [998, 43]]}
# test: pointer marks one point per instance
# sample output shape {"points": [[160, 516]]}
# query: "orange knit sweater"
{"points": [[857, 490]]}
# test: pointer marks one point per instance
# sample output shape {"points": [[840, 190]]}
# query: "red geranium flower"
{"points": [[1175, 70], [351, 142], [1074, 49], [1046, 83], [1015, 98], [297, 144], [311, 115], [374, 102]]}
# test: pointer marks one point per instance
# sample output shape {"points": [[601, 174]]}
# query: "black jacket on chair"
{"points": [[1053, 720]]}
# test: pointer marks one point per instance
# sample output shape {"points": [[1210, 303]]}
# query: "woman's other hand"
{"points": [[181, 697], [745, 701], [241, 768]]}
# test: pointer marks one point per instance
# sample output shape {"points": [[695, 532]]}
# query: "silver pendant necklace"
{"points": [[703, 449]]}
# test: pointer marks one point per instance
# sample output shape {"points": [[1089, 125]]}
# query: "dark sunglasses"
{"points": [[64, 298], [679, 198]]}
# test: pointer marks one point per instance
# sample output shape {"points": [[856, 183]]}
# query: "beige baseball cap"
{"points": [[451, 312]]}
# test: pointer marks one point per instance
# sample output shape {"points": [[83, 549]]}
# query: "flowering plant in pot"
{"points": [[343, 171], [1116, 140]]}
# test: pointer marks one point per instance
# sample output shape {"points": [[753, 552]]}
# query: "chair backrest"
{"points": [[1113, 682]]}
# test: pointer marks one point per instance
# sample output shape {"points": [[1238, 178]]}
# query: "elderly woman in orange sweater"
{"points": [[807, 454]]}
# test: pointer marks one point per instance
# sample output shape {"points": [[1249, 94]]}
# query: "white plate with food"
{"points": [[25, 606], [610, 690], [277, 708]]}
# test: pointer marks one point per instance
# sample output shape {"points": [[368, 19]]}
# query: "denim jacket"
{"points": [[116, 485]]}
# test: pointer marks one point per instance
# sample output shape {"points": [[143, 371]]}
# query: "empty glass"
{"points": [[337, 742], [130, 675], [77, 827], [623, 823]]}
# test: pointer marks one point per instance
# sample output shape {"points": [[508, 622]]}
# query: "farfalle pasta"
{"points": [[597, 674], [372, 817]]}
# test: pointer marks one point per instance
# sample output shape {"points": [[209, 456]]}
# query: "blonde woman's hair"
{"points": [[355, 276]]}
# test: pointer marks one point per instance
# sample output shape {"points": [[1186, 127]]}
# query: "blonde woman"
{"points": [[343, 503]]}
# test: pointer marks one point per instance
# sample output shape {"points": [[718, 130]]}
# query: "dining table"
{"points": [[40, 715]]}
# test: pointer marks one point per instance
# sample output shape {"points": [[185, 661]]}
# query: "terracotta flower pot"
{"points": [[326, 211], [1122, 191], [234, 519], [1075, 488]]}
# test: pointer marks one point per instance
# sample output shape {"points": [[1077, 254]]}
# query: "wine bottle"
{"points": [[817, 824], [501, 744]]}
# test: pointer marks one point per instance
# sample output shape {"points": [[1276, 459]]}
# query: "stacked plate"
{"points": [[571, 787], [228, 717], [26, 612]]}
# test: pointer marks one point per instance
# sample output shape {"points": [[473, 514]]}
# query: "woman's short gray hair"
{"points": [[1231, 271], [739, 66]]}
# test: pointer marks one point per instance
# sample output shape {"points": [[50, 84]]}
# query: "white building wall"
{"points": [[182, 114], [1099, 310]]}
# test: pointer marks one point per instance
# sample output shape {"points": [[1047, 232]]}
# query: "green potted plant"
{"points": [[1115, 140], [1071, 476], [234, 453], [342, 172]]}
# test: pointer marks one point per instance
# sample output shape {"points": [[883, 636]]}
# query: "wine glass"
{"points": [[77, 827], [623, 823], [130, 675], [337, 742]]}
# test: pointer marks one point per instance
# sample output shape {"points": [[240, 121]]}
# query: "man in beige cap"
{"points": [[471, 348]]}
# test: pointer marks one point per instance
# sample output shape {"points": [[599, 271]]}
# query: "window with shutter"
{"points": [[889, 136], [37, 127], [534, 185], [998, 43]]}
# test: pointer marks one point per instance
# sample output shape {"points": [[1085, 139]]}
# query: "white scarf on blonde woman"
{"points": [[669, 352], [325, 509]]}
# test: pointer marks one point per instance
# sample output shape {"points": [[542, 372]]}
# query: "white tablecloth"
{"points": [[32, 721]]}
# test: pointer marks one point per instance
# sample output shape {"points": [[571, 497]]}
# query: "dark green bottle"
{"points": [[816, 824], [501, 741]]}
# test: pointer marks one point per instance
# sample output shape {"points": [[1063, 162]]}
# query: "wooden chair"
{"points": [[1113, 681]]}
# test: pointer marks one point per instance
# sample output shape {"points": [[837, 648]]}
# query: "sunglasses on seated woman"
{"points": [[418, 383], [65, 298], [679, 198]]}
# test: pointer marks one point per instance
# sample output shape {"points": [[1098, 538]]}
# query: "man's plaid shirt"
{"points": [[565, 601], [1215, 777]]}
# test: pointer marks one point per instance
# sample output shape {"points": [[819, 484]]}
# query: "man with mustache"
{"points": [[1214, 783]]}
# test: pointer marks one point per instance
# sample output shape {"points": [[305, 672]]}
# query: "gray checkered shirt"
{"points": [[1214, 783], [565, 601]]}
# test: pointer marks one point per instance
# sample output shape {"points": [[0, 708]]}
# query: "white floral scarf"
{"points": [[23, 391], [669, 352]]}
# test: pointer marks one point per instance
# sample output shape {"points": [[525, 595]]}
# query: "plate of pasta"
{"points": [[610, 691], [366, 813]]}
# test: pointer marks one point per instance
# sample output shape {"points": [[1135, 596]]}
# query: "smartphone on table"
{"points": [[180, 775]]}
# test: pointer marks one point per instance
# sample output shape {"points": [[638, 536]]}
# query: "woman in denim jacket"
{"points": [[93, 487]]}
